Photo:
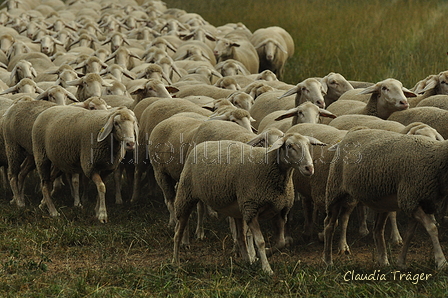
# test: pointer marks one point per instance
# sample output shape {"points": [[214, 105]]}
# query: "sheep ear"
{"points": [[325, 113], [372, 89], [429, 84], [290, 92], [42, 95], [408, 93], [281, 48], [277, 144], [315, 142], [71, 96], [33, 71], [9, 90], [136, 88], [218, 117], [288, 114], [209, 106], [106, 129], [258, 141], [216, 74], [254, 130], [136, 130], [74, 82], [171, 89]]}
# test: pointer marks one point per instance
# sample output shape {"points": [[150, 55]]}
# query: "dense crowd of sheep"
{"points": [[159, 95]]}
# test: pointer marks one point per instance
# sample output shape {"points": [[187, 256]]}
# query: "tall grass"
{"points": [[362, 40]]}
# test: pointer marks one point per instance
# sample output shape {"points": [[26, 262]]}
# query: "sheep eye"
{"points": [[442, 82], [303, 89], [384, 88]]}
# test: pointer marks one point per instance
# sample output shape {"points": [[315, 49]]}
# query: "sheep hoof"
{"points": [[397, 242], [344, 251]]}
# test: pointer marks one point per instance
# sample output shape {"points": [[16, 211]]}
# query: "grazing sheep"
{"points": [[274, 46], [115, 131], [231, 67], [215, 176], [386, 97], [378, 168]]}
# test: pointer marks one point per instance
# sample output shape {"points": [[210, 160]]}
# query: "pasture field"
{"points": [[130, 256]]}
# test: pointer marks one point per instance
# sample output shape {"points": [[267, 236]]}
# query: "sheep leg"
{"points": [[362, 215], [74, 187], [48, 175], [410, 231], [118, 174], [429, 222], [330, 224], [25, 168], [241, 238], [167, 185], [308, 210], [100, 209], [85, 186], [279, 233], [260, 243], [378, 237], [200, 222], [395, 233], [138, 172], [345, 216], [178, 235]]}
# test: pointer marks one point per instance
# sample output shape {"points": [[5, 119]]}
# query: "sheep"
{"points": [[378, 168], [432, 116], [205, 90], [231, 67], [91, 65], [308, 90], [88, 86], [266, 190], [192, 47], [24, 86], [22, 69], [115, 131], [336, 86], [439, 101], [240, 50], [154, 113], [306, 112], [431, 85], [124, 57], [257, 88], [41, 62], [150, 88], [17, 124], [386, 97], [48, 45], [153, 71], [274, 46], [346, 122], [177, 132]]}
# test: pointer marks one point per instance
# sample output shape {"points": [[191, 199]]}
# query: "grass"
{"points": [[362, 40], [74, 256]]}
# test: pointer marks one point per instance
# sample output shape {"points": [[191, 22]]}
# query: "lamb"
{"points": [[386, 97], [241, 50], [274, 46], [307, 112], [308, 90], [115, 131], [266, 190], [353, 178]]}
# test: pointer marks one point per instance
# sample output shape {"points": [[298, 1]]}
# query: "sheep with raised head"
{"points": [[379, 169], [385, 97], [114, 131], [274, 46], [308, 90], [213, 174]]}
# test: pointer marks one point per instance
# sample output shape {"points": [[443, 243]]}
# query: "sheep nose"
{"points": [[403, 103], [320, 104], [130, 145], [308, 170]]}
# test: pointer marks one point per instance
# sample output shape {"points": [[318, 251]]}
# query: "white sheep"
{"points": [[94, 146], [385, 98], [241, 50], [214, 171], [378, 168], [274, 46], [88, 86]]}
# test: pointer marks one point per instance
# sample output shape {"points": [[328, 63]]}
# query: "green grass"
{"points": [[362, 40]]}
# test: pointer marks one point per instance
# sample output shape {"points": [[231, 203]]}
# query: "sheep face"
{"points": [[391, 94], [443, 82], [336, 85], [309, 90], [224, 48], [124, 126], [295, 152]]}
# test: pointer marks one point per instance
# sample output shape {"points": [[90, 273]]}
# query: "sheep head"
{"points": [[308, 90], [390, 93]]}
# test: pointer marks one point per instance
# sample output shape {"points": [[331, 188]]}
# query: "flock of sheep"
{"points": [[160, 96]]}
